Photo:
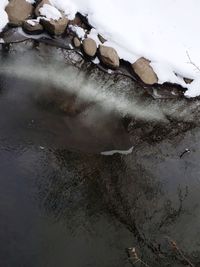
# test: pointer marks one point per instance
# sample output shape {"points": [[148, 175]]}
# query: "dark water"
{"points": [[64, 204], [51, 210]]}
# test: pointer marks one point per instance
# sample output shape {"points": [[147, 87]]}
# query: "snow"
{"points": [[50, 12], [32, 22], [122, 152], [3, 14], [164, 31], [78, 30], [31, 1]]}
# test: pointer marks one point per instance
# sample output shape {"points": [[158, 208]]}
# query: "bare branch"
{"points": [[191, 62]]}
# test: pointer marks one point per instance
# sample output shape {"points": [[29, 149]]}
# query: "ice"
{"points": [[122, 152]]}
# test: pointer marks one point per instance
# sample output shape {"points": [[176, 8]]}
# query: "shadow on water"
{"points": [[64, 204]]}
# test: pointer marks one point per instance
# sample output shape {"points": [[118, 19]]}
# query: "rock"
{"points": [[187, 80], [101, 39], [55, 27], [18, 11], [89, 47], [108, 56], [81, 21], [145, 72], [39, 5], [32, 27], [77, 42]]}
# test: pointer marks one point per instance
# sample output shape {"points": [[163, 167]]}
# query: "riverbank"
{"points": [[56, 27]]}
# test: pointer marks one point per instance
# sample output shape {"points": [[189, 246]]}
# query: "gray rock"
{"points": [[18, 11], [145, 72], [108, 56]]}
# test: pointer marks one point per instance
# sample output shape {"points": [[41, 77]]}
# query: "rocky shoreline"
{"points": [[180, 114], [32, 21]]}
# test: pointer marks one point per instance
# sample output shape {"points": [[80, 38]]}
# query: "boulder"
{"points": [[39, 5], [145, 72], [89, 47], [32, 27], [109, 56], [76, 42], [18, 11], [55, 27]]}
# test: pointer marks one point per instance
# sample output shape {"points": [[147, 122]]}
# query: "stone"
{"points": [[81, 21], [101, 39], [187, 80], [55, 27], [18, 11], [32, 27], [89, 47], [144, 71], [39, 5], [76, 42], [109, 56]]}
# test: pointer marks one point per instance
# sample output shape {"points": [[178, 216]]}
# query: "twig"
{"points": [[191, 62], [187, 150]]}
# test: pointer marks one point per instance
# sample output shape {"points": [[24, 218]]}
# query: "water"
{"points": [[62, 203], [51, 211]]}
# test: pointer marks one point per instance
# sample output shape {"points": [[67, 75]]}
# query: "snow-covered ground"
{"points": [[163, 31], [3, 14]]}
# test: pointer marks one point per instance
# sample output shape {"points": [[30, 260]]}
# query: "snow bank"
{"points": [[163, 31], [3, 14]]}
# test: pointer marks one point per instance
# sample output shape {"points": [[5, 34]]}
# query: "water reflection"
{"points": [[62, 202]]}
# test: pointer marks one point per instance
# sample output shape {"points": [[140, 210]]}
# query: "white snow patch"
{"points": [[50, 12], [78, 30], [3, 14], [112, 152], [96, 60], [31, 1], [32, 22], [194, 88]]}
